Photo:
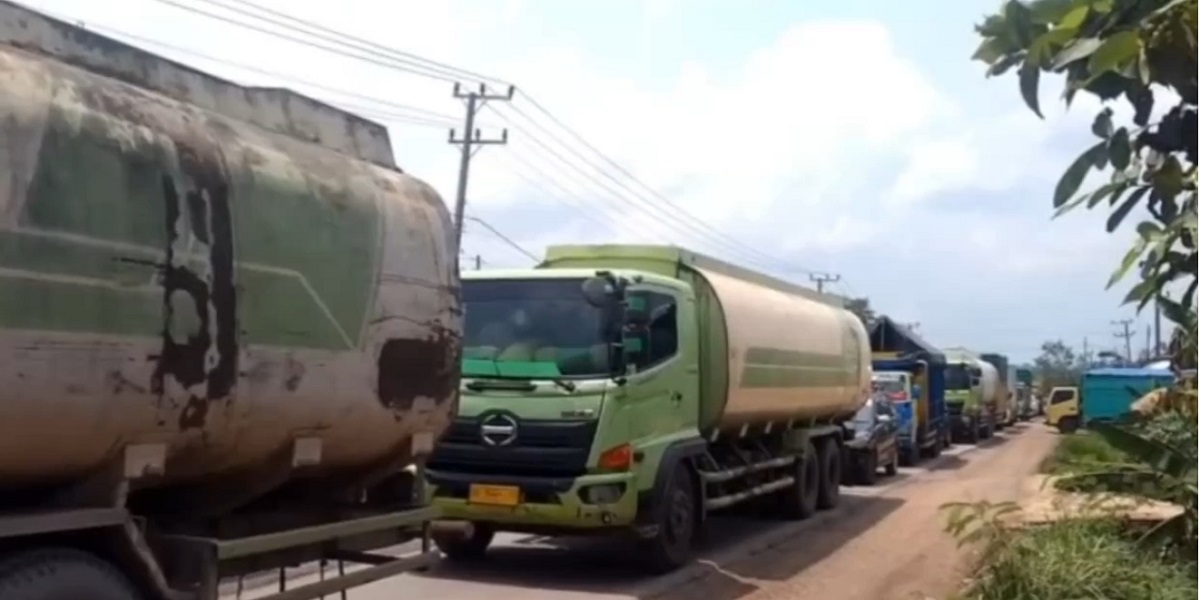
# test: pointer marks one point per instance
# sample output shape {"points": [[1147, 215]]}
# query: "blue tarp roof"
{"points": [[1129, 372], [889, 336]]}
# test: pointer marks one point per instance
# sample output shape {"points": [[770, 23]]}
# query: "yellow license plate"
{"points": [[495, 495]]}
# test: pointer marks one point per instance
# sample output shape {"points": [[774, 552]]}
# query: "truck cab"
{"points": [[1062, 409], [561, 396], [970, 421], [898, 389]]}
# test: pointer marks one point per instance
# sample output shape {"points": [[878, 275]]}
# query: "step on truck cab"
{"points": [[634, 390], [228, 329]]}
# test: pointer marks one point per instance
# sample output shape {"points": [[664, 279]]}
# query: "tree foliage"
{"points": [[1058, 364], [1141, 53], [862, 308]]}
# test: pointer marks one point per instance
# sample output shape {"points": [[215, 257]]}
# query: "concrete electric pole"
{"points": [[822, 278], [470, 141], [1126, 334]]}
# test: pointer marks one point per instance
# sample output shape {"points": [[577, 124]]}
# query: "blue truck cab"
{"points": [[915, 373]]}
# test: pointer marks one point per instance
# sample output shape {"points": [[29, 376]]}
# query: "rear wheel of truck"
{"points": [[1068, 424], [868, 468], [462, 548], [830, 490], [676, 518], [893, 465], [62, 574], [799, 500]]}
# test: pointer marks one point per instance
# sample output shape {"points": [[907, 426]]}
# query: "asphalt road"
{"points": [[521, 567]]}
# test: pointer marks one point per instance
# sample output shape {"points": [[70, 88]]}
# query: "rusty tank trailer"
{"points": [[225, 313]]}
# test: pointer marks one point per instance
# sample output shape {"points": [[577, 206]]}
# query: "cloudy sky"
{"points": [[852, 137]]}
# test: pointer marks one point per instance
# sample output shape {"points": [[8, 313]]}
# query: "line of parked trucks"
{"points": [[234, 338]]}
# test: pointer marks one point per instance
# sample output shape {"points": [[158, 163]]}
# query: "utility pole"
{"points": [[470, 141], [1127, 335], [478, 262], [1087, 358], [823, 278]]}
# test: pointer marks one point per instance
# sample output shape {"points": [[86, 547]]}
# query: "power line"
{"points": [[504, 238], [425, 67], [1126, 334]]}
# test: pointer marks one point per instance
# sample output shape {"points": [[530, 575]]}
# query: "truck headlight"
{"points": [[604, 493]]}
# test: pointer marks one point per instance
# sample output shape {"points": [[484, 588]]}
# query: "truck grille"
{"points": [[540, 448]]}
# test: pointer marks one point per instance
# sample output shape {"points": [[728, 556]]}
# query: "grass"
{"points": [[1079, 451], [1078, 559]]}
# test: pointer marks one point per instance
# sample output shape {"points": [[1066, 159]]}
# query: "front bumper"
{"points": [[547, 503]]}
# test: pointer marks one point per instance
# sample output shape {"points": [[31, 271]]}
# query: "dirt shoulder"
{"points": [[889, 546]]}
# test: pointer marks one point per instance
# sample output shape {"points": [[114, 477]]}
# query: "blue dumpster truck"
{"points": [[922, 428], [899, 355]]}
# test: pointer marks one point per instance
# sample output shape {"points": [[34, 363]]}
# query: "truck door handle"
{"points": [[676, 397]]}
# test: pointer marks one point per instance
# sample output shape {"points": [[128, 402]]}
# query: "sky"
{"points": [[853, 137]]}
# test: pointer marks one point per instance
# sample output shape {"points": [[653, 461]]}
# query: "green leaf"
{"points": [[1074, 18], [1029, 75], [1073, 177], [1102, 126], [1119, 150], [1077, 50], [1004, 65], [1149, 230], [1020, 23], [1118, 215], [1048, 12], [990, 51], [1135, 252], [1119, 49]]}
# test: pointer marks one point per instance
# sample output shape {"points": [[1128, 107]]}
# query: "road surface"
{"points": [[884, 542]]}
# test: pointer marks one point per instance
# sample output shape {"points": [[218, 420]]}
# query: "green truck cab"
{"points": [[636, 389], [970, 419]]}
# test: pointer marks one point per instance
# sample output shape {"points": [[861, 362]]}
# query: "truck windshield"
{"points": [[890, 387], [957, 377], [542, 322]]}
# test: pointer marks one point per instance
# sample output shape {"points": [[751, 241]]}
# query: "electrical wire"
{"points": [[418, 65]]}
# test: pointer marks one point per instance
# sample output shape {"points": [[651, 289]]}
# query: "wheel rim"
{"points": [[679, 520]]}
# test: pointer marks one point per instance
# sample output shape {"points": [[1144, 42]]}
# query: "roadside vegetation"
{"points": [[1138, 57]]}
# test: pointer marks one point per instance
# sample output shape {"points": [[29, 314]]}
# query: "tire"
{"points": [[868, 469], [466, 548], [676, 518], [830, 489], [893, 465], [799, 500], [1068, 424], [62, 574]]}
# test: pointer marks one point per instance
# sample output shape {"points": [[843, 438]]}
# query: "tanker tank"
{"points": [[211, 294], [772, 350]]}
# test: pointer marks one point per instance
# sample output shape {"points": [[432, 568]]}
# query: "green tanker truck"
{"points": [[229, 329], [635, 390], [971, 386]]}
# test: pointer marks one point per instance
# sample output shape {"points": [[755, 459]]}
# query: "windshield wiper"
{"points": [[565, 384], [500, 384]]}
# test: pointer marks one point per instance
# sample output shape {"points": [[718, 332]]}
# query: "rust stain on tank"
{"points": [[205, 204], [413, 368]]}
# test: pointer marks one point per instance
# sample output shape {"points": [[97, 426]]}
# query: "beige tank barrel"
{"points": [[191, 284]]}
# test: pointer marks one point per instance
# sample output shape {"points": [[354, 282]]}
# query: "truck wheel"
{"points": [[62, 574], [1068, 424], [799, 500], [972, 432], [830, 490], [869, 468], [671, 547], [464, 548], [893, 465]]}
